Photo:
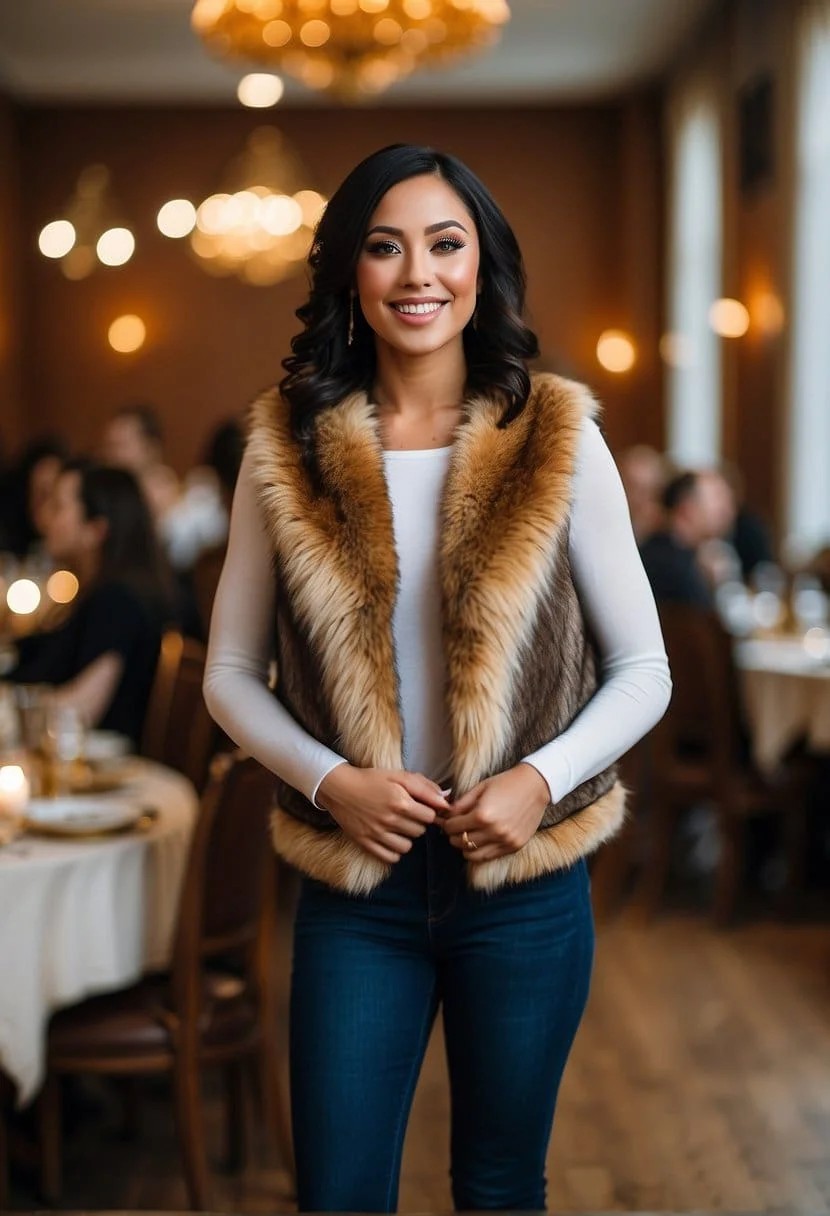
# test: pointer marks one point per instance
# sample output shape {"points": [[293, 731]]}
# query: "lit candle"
{"points": [[14, 790]]}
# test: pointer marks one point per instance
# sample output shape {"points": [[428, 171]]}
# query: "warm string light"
{"points": [[87, 234], [351, 47]]}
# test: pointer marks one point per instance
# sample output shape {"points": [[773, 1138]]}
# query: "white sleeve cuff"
{"points": [[319, 782]]}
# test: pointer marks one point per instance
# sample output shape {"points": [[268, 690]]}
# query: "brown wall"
{"points": [[581, 186], [11, 292]]}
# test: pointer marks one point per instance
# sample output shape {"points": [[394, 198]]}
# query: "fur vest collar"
{"points": [[520, 664]]}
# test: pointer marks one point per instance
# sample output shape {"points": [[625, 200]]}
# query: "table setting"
{"points": [[781, 630], [93, 846]]}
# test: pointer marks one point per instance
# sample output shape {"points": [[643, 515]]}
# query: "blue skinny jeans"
{"points": [[511, 972]]}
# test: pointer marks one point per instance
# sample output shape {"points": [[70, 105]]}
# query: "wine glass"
{"points": [[65, 737]]}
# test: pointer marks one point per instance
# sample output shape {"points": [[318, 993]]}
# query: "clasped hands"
{"points": [[385, 810]]}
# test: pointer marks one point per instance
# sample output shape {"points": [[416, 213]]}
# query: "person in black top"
{"points": [[697, 509], [102, 658]]}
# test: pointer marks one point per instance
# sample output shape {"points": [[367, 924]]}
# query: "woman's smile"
{"points": [[418, 312]]}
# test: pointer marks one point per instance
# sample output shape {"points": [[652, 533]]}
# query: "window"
{"points": [[690, 348], [808, 457]]}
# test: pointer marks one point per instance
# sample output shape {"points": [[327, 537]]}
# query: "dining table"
{"points": [[85, 914], [786, 693]]}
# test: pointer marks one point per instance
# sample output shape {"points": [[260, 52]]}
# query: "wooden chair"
{"points": [[178, 730], [207, 1011], [205, 575], [614, 864], [700, 754]]}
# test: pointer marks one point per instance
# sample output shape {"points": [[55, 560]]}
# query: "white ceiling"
{"points": [[144, 51]]}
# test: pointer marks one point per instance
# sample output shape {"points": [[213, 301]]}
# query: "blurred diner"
{"points": [[100, 659]]}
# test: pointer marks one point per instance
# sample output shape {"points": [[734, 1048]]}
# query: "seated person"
{"points": [[696, 510], [102, 658], [644, 474], [133, 440], [24, 493]]}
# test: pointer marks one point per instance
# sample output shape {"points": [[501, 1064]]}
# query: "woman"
{"points": [[102, 658], [438, 547]]}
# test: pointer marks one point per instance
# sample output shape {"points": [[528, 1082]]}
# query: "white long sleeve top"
{"points": [[613, 589]]}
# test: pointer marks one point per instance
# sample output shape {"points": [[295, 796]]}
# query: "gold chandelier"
{"points": [[349, 47], [261, 225]]}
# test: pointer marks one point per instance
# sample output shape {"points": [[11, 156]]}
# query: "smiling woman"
{"points": [[426, 536]]}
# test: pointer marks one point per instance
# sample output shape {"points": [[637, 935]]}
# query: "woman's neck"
{"points": [[418, 398], [415, 388]]}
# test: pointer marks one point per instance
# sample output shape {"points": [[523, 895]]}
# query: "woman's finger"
{"points": [[485, 852], [422, 790], [382, 854], [412, 827], [417, 812], [454, 825], [398, 844]]}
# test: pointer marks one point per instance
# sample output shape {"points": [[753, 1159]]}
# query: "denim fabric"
{"points": [[511, 972]]}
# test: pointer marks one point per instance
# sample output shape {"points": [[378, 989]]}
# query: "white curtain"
{"points": [[808, 456], [690, 348]]}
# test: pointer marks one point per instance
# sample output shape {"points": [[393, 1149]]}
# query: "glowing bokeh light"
{"points": [[176, 218], [616, 351], [127, 334], [56, 239], [23, 597]]}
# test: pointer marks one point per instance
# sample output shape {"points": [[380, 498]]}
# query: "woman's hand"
{"points": [[499, 815], [382, 810]]}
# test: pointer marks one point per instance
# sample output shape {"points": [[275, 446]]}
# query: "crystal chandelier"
{"points": [[350, 47], [260, 226]]}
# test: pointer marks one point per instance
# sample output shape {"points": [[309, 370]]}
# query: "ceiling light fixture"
{"points": [[352, 48]]}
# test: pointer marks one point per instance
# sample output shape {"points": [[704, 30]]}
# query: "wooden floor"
{"points": [[700, 1079]]}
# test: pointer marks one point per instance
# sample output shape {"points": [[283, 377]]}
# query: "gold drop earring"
{"points": [[350, 337]]}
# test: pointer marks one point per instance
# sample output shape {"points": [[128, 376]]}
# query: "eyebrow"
{"points": [[427, 231]]}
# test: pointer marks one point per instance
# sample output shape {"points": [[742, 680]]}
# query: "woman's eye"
{"points": [[448, 244], [383, 247]]}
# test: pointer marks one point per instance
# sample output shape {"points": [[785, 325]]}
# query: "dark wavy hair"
{"points": [[323, 368], [131, 554]]}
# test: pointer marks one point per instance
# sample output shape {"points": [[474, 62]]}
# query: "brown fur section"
{"points": [[520, 665], [336, 554], [505, 511]]}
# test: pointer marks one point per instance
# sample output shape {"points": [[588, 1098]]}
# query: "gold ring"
{"points": [[468, 844]]}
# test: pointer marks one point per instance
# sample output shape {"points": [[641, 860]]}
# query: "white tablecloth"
{"points": [[786, 695], [79, 917]]}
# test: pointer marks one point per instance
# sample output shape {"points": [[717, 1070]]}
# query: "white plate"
{"points": [[81, 816], [106, 745]]}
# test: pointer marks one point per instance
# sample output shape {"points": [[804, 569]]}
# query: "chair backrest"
{"points": [[228, 876], [704, 718], [178, 729], [205, 575]]}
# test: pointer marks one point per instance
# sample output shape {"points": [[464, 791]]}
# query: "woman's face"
{"points": [[417, 274], [69, 535]]}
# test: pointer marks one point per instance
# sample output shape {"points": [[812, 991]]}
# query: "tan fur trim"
{"points": [[507, 497], [330, 856], [557, 847], [337, 558]]}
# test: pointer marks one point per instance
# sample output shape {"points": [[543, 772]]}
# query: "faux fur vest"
{"points": [[520, 662]]}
